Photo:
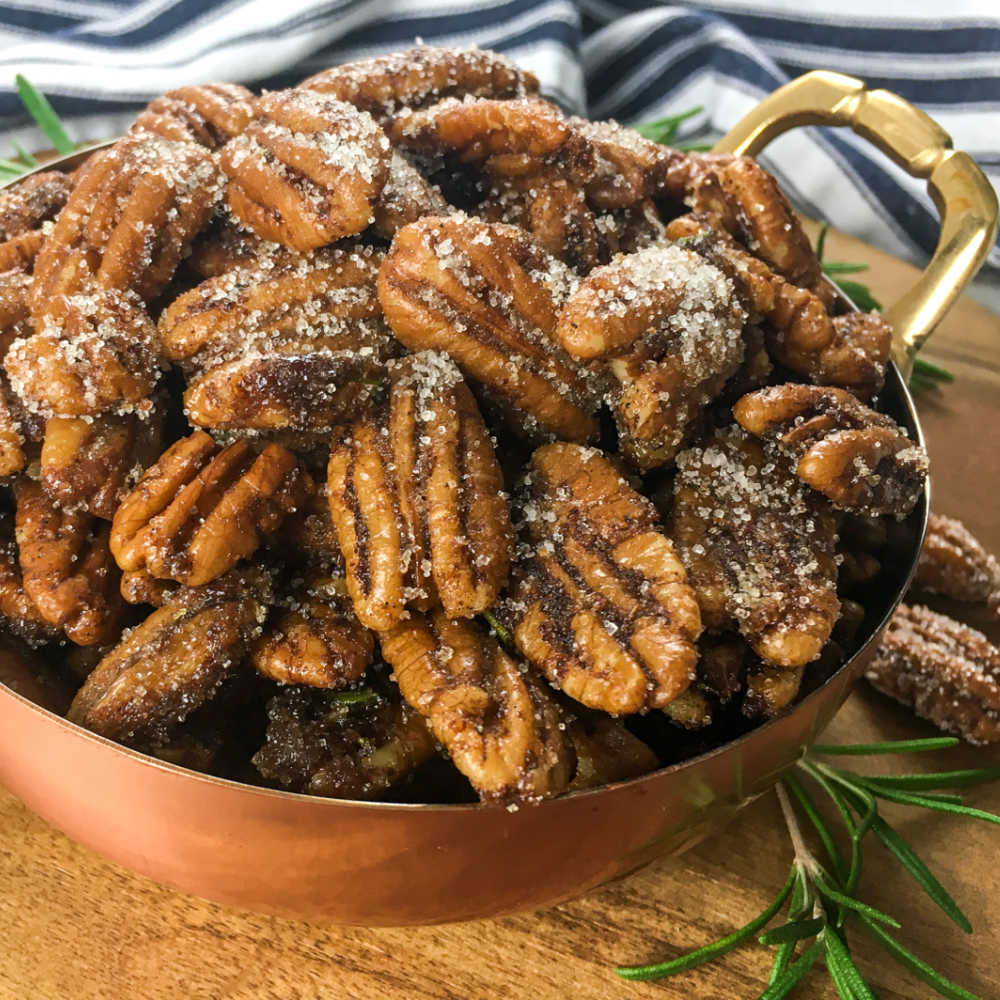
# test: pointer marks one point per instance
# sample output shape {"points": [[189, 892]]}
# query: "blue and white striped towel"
{"points": [[99, 60]]}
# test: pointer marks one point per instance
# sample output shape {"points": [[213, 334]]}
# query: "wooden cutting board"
{"points": [[76, 926]]}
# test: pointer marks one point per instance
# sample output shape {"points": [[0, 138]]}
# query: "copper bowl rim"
{"points": [[755, 733]]}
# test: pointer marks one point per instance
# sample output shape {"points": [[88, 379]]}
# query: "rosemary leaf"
{"points": [[797, 909], [828, 889], [937, 802], [713, 950], [938, 779], [12, 167], [793, 931], [695, 147], [945, 987], [821, 240], [663, 130], [503, 636], [842, 967], [25, 155], [832, 267], [48, 121], [932, 371], [792, 976], [357, 696], [859, 294], [890, 746], [911, 861]]}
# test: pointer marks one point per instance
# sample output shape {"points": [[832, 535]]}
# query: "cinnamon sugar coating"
{"points": [[307, 170], [954, 563], [600, 602], [498, 722], [200, 509], [758, 547], [860, 459], [422, 75], [323, 746], [487, 296], [416, 498], [946, 672], [209, 114]]}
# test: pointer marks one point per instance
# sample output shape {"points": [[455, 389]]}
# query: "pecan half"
{"points": [[486, 295], [751, 206], [173, 663], [308, 539], [11, 439], [307, 170], [679, 321], [139, 587], [224, 245], [317, 640], [304, 390], [758, 547], [209, 114], [851, 350], [946, 672], [327, 298], [417, 500], [385, 85], [200, 509], [497, 721], [606, 751], [92, 353], [15, 316], [601, 603], [506, 138], [406, 197], [954, 563], [860, 459], [130, 220], [92, 463], [770, 690], [20, 614], [36, 199], [67, 567], [322, 744]]}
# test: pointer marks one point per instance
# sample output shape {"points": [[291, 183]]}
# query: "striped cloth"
{"points": [[99, 60]]}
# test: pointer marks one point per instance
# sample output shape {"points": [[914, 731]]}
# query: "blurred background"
{"points": [[98, 62]]}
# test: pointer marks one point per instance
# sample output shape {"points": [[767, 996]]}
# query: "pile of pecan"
{"points": [[398, 435]]}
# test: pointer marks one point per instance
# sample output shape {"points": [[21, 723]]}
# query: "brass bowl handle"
{"points": [[963, 196]]}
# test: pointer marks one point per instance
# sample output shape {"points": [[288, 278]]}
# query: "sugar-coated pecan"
{"points": [[92, 463], [605, 750], [506, 138], [307, 170], [416, 497], [946, 672], [328, 298], [200, 509], [15, 316], [676, 320], [316, 640], [629, 169], [347, 744], [385, 85], [209, 114], [601, 604], [26, 205], [11, 438], [758, 547], [225, 244], [94, 352], [304, 389], [485, 294], [749, 203], [130, 219], [173, 663], [140, 587], [860, 459], [850, 351], [308, 539], [498, 722], [20, 614], [67, 567], [954, 563], [19, 253], [770, 690], [406, 197]]}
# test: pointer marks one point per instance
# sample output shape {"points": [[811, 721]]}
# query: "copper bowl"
{"points": [[383, 863]]}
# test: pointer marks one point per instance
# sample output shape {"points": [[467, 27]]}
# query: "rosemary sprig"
{"points": [[37, 105], [664, 130], [822, 901]]}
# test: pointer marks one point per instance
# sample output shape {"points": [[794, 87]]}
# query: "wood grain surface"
{"points": [[76, 926]]}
